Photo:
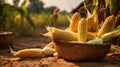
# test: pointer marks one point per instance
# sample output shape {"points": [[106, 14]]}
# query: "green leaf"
{"points": [[23, 6], [95, 2], [87, 1], [27, 17], [30, 21], [112, 6], [23, 11], [1, 9], [107, 2]]}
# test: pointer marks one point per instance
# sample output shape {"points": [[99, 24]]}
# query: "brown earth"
{"points": [[7, 60]]}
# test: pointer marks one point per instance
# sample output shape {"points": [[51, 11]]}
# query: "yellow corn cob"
{"points": [[110, 35], [74, 22], [90, 22], [63, 35], [27, 53], [82, 30], [107, 26]]}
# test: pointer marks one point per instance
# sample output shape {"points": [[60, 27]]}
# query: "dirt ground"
{"points": [[7, 60]]}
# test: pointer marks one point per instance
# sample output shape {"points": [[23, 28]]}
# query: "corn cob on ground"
{"points": [[27, 53]]}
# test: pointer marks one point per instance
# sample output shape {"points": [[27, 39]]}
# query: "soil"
{"points": [[7, 60]]}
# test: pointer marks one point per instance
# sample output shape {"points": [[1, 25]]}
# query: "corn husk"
{"points": [[48, 51], [95, 41]]}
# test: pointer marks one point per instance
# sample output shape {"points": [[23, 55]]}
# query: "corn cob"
{"points": [[74, 22], [107, 26], [27, 53], [60, 34], [110, 35], [90, 36], [82, 30], [90, 22]]}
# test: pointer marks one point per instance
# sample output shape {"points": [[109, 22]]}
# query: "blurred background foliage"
{"points": [[27, 20], [105, 8]]}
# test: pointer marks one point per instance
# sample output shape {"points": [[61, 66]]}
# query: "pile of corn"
{"points": [[80, 30], [86, 30]]}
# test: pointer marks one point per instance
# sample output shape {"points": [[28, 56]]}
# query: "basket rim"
{"points": [[78, 43]]}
